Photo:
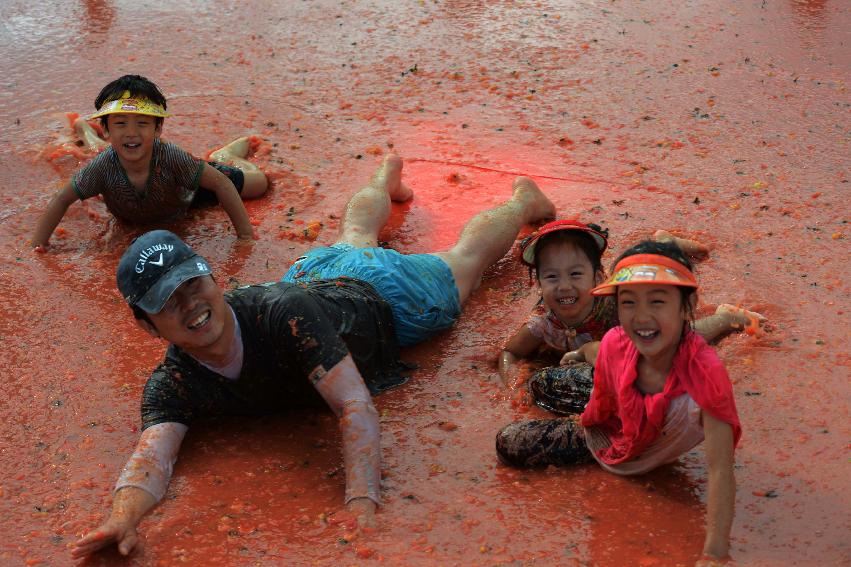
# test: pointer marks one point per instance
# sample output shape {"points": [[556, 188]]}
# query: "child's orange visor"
{"points": [[128, 105], [646, 269]]}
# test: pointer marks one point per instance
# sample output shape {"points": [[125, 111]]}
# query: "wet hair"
{"points": [[578, 238], [672, 251], [139, 87], [140, 314]]}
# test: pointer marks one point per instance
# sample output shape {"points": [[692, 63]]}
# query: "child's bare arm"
{"points": [[55, 211], [722, 486], [585, 353], [226, 193], [521, 345]]}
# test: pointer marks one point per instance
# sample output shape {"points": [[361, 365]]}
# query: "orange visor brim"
{"points": [[646, 269]]}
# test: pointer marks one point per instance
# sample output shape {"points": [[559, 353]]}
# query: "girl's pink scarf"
{"points": [[633, 420]]}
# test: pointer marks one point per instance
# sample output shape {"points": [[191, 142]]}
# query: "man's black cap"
{"points": [[153, 266]]}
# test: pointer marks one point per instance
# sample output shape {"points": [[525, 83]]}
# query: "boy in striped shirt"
{"points": [[144, 180]]}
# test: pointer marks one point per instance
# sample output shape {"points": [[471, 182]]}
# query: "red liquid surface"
{"points": [[722, 121]]}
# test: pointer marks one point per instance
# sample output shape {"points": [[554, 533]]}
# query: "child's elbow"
{"points": [[226, 187], [63, 199]]}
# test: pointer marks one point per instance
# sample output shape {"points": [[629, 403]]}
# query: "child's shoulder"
{"points": [[539, 310], [101, 164], [695, 347], [167, 153], [161, 146]]}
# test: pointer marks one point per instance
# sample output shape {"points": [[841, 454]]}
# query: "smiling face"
{"points": [[132, 136], [193, 318], [652, 316], [566, 278]]}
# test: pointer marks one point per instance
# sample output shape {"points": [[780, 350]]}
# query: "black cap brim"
{"points": [[192, 267]]}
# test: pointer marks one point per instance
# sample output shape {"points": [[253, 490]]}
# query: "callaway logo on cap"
{"points": [[154, 266], [147, 253]]}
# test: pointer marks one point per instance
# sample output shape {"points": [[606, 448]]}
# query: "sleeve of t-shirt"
{"points": [[185, 167], [305, 339], [90, 180], [537, 326], [167, 397]]}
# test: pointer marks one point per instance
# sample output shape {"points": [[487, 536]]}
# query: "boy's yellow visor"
{"points": [[131, 106]]}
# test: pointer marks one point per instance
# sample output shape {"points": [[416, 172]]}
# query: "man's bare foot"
{"points": [[691, 248], [528, 192], [389, 176], [740, 319]]}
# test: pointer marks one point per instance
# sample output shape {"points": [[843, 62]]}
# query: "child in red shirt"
{"points": [[146, 181], [659, 390], [565, 257]]}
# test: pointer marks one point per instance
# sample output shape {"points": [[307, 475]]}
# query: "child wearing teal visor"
{"points": [[144, 180]]}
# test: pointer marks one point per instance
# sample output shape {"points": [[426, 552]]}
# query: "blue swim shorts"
{"points": [[420, 288]]}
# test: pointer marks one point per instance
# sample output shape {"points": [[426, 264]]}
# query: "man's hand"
{"points": [[364, 511], [128, 507], [121, 531]]}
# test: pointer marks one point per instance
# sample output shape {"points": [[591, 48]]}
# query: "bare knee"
{"points": [[466, 271], [357, 236]]}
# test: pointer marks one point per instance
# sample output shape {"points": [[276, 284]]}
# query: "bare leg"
{"points": [[234, 154], [89, 135], [728, 319], [691, 248], [489, 235], [368, 210]]}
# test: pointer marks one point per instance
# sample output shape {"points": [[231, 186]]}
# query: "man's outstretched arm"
{"points": [[343, 389], [142, 484]]}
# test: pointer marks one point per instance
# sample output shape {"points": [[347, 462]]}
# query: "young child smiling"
{"points": [[565, 258], [659, 390], [143, 180]]}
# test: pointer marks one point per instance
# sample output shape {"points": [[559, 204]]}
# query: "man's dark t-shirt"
{"points": [[288, 330]]}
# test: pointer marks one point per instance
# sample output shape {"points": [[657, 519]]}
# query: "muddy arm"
{"points": [[585, 353], [226, 193], [521, 345], [345, 392], [141, 485], [50, 218], [722, 486]]}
